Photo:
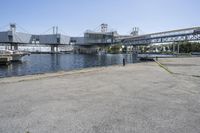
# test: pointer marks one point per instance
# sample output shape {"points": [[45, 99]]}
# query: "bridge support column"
{"points": [[135, 49], [168, 48], [178, 50], [14, 46], [7, 47], [173, 45], [54, 48], [11, 46], [164, 49]]}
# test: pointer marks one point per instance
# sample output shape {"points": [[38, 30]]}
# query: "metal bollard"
{"points": [[156, 58], [124, 62]]}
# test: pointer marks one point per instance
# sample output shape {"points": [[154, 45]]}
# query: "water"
{"points": [[44, 63]]}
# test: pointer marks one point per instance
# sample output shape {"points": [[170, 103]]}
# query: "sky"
{"points": [[74, 17]]}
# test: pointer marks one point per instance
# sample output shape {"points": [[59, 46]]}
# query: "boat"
{"points": [[7, 56]]}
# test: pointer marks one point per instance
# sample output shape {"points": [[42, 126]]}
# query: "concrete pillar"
{"points": [[173, 48], [178, 49], [156, 49], [131, 48], [52, 48], [135, 49], [11, 46], [56, 48], [16, 47], [143, 48], [138, 49], [164, 49], [168, 47], [7, 47], [126, 47]]}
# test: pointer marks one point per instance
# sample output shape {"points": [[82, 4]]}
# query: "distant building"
{"points": [[96, 38]]}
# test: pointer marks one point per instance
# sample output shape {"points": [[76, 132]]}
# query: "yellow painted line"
{"points": [[165, 68]]}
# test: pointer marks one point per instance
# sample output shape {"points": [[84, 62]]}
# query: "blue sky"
{"points": [[76, 16]]}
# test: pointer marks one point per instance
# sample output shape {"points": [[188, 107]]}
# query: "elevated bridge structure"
{"points": [[188, 34], [15, 39], [101, 37], [94, 38], [95, 41]]}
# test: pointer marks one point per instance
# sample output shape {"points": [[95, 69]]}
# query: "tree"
{"points": [[188, 47]]}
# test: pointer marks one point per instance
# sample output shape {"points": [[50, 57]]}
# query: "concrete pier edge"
{"points": [[39, 76]]}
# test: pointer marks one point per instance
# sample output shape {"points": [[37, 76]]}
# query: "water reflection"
{"points": [[42, 63]]}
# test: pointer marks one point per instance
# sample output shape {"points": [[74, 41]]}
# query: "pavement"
{"points": [[184, 66], [137, 98]]}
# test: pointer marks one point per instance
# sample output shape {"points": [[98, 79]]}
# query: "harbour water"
{"points": [[45, 63]]}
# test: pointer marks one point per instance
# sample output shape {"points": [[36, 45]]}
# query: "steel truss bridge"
{"points": [[189, 34]]}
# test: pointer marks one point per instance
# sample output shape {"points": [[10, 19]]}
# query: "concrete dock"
{"points": [[137, 98]]}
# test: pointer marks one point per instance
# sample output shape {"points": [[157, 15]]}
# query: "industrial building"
{"points": [[15, 39]]}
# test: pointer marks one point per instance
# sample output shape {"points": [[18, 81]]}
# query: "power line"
{"points": [[141, 31], [97, 28], [22, 28], [5, 26], [62, 31], [47, 30]]}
